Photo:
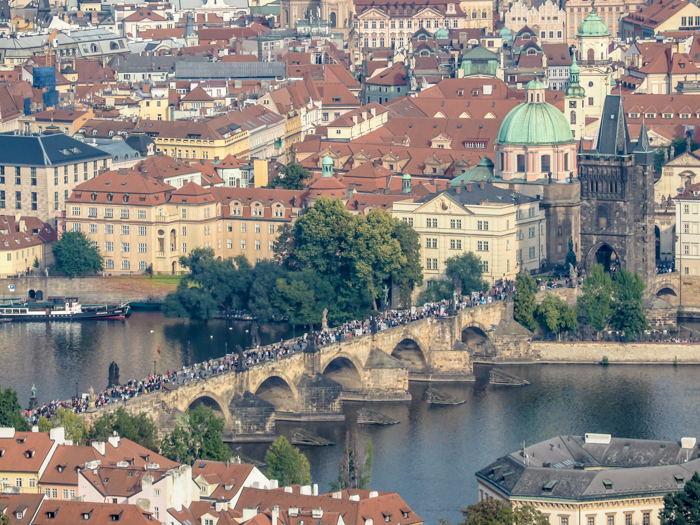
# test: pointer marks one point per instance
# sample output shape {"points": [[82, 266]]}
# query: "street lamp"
{"points": [[154, 369], [76, 390]]}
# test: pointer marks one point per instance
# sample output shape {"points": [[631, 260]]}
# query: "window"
{"points": [[686, 208], [431, 243], [142, 247], [431, 264], [109, 264], [431, 223], [408, 220], [257, 228], [125, 230], [485, 266], [272, 228], [126, 265], [243, 244], [646, 518], [141, 214], [47, 492], [18, 482], [156, 514], [564, 521], [184, 247], [243, 227], [628, 519], [257, 245], [76, 227], [18, 200], [611, 520], [531, 252], [229, 243], [272, 245], [456, 224], [65, 493], [531, 212], [531, 232], [482, 225], [109, 213], [124, 214], [142, 230], [455, 244], [71, 493], [125, 247], [482, 246]]}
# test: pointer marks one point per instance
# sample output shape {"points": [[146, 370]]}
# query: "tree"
{"points": [[595, 303], [286, 464], [682, 508], [555, 315], [303, 296], [11, 411], [410, 274], [44, 424], [355, 465], [495, 512], [466, 273], [72, 423], [74, 255], [36, 262], [198, 435], [140, 429], [525, 302], [293, 177], [437, 290], [4, 519], [628, 314]]}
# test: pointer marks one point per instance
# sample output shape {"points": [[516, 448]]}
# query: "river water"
{"points": [[431, 456]]}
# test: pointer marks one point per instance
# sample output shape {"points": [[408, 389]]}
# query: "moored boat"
{"points": [[62, 309]]}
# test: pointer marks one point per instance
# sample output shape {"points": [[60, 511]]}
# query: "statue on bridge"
{"points": [[188, 355], [311, 344], [254, 335], [33, 403], [324, 319], [113, 374], [373, 326], [241, 365]]}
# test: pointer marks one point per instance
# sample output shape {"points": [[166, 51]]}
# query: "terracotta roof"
{"points": [[393, 76], [229, 162], [197, 94], [199, 509], [228, 476], [121, 481], [25, 452], [144, 14], [27, 504], [61, 512]]}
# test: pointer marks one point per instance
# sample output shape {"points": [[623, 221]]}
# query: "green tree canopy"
{"points": [[595, 303], [140, 429], [72, 423], [293, 177], [525, 302], [437, 290], [198, 435], [410, 274], [74, 255], [683, 508], [466, 273], [495, 512], [11, 411], [303, 296], [628, 314], [555, 315], [286, 464]]}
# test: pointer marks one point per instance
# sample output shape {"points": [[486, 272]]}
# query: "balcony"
{"points": [[160, 254], [161, 218]]}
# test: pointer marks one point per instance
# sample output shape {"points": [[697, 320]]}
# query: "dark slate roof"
{"points": [[568, 468], [613, 136], [229, 70], [477, 195], [45, 150]]}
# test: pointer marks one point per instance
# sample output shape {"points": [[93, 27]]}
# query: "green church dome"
{"points": [[506, 34], [534, 84], [327, 161], [534, 124], [442, 34], [593, 25], [574, 90]]}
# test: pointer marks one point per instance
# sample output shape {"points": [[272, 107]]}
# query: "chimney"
{"points": [[469, 187], [275, 514], [114, 440], [482, 184], [373, 111], [315, 489], [375, 163], [354, 119], [99, 446], [364, 114], [94, 20], [249, 514], [439, 188], [458, 189]]}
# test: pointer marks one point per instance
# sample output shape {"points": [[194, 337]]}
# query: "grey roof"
{"points": [[135, 62], [568, 468], [228, 70], [117, 149], [474, 195], [45, 150], [613, 136], [479, 53]]}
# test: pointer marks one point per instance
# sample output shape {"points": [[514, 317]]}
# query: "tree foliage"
{"points": [[303, 295], [140, 429], [683, 508], [595, 303], [293, 177], [4, 519], [74, 255], [525, 302], [198, 435], [11, 411], [355, 465], [494, 512], [555, 315], [628, 314], [286, 464], [437, 290], [466, 273], [73, 424]]}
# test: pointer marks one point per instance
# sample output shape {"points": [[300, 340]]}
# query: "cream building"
{"points": [[594, 62], [358, 122], [548, 21], [687, 249], [593, 479], [505, 229]]}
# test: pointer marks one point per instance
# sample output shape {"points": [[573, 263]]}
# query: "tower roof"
{"points": [[613, 136], [535, 123], [592, 26]]}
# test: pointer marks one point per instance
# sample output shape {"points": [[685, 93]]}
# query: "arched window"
{"points": [[591, 55], [538, 97], [473, 14], [333, 19], [572, 117], [483, 14]]}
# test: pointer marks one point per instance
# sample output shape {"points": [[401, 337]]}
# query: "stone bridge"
{"points": [[667, 287], [312, 387]]}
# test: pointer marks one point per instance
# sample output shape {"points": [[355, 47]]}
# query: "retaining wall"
{"points": [[630, 353]]}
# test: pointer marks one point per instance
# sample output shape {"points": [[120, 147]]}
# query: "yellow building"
{"points": [[593, 479], [25, 241], [137, 221], [24, 457], [204, 139], [506, 230]]}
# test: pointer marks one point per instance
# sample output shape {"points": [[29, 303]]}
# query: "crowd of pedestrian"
{"points": [[668, 267]]}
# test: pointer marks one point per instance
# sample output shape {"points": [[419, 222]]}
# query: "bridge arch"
{"points": [[210, 400], [410, 353], [668, 292], [279, 391], [345, 370], [603, 253]]}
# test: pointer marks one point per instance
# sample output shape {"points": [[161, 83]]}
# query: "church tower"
{"points": [[595, 63], [617, 197], [574, 100]]}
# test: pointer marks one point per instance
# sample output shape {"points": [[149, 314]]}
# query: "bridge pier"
{"points": [[252, 419]]}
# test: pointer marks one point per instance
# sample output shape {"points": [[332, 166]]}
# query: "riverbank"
{"points": [[95, 290], [590, 352]]}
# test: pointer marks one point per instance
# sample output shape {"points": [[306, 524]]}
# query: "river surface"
{"points": [[430, 457]]}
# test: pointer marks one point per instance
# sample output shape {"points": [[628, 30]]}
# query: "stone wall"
{"points": [[93, 290], [630, 353]]}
